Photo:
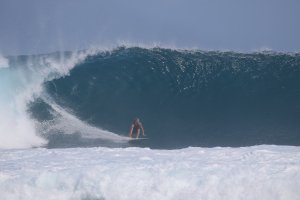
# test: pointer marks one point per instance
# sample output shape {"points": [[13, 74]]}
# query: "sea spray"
{"points": [[3, 62]]}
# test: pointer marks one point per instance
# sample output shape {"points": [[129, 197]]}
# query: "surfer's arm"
{"points": [[143, 130], [131, 129]]}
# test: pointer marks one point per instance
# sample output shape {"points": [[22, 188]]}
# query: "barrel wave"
{"points": [[61, 102], [183, 97]]}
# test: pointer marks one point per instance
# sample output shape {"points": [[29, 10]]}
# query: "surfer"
{"points": [[136, 127]]}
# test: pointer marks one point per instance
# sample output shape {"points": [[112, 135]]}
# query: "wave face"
{"points": [[184, 98], [187, 98]]}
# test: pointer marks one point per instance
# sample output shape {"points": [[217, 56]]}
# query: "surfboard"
{"points": [[139, 138]]}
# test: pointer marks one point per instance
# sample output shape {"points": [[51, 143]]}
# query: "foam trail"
{"points": [[20, 82], [68, 123]]}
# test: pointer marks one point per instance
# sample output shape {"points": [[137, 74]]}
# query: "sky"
{"points": [[41, 26]]}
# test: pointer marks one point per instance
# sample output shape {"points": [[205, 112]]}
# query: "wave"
{"points": [[183, 97]]}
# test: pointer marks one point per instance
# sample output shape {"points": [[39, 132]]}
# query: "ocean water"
{"points": [[220, 125]]}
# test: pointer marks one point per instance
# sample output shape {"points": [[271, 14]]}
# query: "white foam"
{"points": [[262, 172]]}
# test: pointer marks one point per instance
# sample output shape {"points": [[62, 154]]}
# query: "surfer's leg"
{"points": [[137, 133]]}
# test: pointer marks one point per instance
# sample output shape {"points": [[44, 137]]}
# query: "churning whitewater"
{"points": [[248, 173]]}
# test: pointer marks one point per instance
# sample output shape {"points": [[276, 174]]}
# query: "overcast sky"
{"points": [[39, 26]]}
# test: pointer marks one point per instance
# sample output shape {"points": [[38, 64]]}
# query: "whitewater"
{"points": [[248, 173], [22, 80], [65, 119]]}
